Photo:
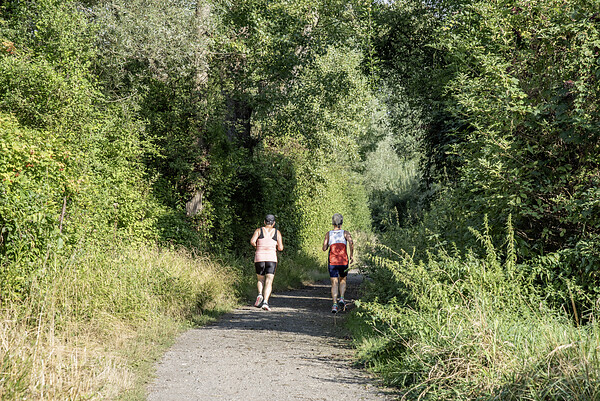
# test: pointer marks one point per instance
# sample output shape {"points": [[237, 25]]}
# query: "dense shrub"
{"points": [[526, 85], [468, 327], [507, 94], [71, 161], [32, 189]]}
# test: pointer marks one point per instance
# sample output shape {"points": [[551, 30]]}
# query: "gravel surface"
{"points": [[297, 351]]}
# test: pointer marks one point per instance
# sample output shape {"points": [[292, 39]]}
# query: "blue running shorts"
{"points": [[338, 270]]}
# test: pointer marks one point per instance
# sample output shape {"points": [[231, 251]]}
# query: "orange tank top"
{"points": [[338, 256]]}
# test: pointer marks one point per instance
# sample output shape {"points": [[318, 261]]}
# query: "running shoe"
{"points": [[334, 308], [265, 306], [341, 303], [259, 300]]}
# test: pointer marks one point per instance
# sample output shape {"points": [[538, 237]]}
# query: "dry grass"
{"points": [[44, 363], [93, 326]]}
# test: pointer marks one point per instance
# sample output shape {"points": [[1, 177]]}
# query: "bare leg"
{"points": [[334, 288], [342, 286], [260, 284], [268, 287]]}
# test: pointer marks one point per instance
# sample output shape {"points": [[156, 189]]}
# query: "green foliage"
{"points": [[141, 42], [70, 162], [147, 105], [267, 42], [392, 182], [54, 30], [330, 108], [206, 84], [153, 60], [507, 95], [471, 327], [33, 180], [527, 87], [570, 277], [40, 95], [311, 150], [304, 195]]}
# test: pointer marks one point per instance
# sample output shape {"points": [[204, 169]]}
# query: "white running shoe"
{"points": [[265, 306], [259, 300]]}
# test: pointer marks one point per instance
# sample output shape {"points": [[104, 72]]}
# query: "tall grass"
{"points": [[471, 327], [94, 323]]}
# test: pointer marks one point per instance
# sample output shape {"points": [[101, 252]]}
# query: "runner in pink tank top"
{"points": [[266, 246], [267, 241]]}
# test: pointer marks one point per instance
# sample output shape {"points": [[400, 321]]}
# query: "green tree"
{"points": [[77, 156]]}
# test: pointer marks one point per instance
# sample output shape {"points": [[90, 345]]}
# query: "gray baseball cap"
{"points": [[337, 219]]}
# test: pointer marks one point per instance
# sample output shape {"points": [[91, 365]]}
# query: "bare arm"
{"points": [[255, 237], [279, 241], [350, 245], [326, 242]]}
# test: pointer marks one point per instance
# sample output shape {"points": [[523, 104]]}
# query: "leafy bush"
{"points": [[507, 95], [471, 328], [569, 277], [71, 162], [526, 85], [32, 187]]}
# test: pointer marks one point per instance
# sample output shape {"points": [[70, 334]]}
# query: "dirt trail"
{"points": [[298, 351]]}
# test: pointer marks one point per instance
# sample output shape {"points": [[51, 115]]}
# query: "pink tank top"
{"points": [[266, 247]]}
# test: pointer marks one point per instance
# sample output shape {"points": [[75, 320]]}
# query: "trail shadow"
{"points": [[302, 344], [304, 311]]}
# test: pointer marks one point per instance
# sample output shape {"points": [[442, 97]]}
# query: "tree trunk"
{"points": [[202, 29]]}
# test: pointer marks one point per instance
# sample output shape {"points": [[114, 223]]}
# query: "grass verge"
{"points": [[468, 327], [94, 324]]}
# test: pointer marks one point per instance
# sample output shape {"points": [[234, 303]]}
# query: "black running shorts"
{"points": [[263, 268]]}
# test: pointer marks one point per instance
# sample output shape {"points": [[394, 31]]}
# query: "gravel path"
{"points": [[298, 351]]}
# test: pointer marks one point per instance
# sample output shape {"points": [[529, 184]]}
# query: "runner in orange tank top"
{"points": [[267, 241], [341, 252]]}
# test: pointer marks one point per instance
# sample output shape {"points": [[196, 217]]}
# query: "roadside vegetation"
{"points": [[93, 324], [483, 281], [472, 325], [141, 143]]}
